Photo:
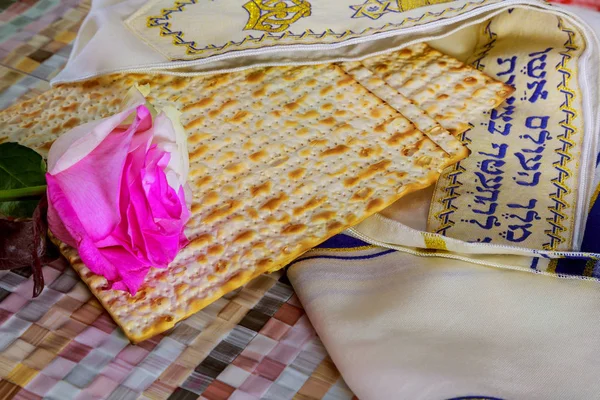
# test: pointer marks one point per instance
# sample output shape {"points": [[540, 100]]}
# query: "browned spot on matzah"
{"points": [[297, 173], [323, 216], [274, 203], [259, 155], [336, 151], [294, 229], [255, 77], [203, 103]]}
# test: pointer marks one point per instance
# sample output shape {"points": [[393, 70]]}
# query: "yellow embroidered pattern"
{"points": [[374, 9], [558, 219], [452, 174], [405, 5], [164, 23], [434, 241], [274, 15]]}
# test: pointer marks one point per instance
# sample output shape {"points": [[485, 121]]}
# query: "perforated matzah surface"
{"points": [[406, 107], [281, 159], [448, 90]]}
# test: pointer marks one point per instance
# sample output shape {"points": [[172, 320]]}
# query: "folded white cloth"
{"points": [[400, 326]]}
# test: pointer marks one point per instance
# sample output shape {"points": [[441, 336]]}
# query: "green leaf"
{"points": [[22, 177]]}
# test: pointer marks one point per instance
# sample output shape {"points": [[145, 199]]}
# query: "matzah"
{"points": [[281, 159], [451, 92], [405, 106]]}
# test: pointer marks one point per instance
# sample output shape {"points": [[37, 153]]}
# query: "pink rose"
{"points": [[117, 192]]}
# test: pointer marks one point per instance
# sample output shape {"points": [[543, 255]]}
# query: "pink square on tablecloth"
{"points": [[35, 26], [256, 385], [4, 315], [100, 387], [104, 323], [274, 329], [91, 336], [252, 355], [284, 353], [59, 368], [239, 395], [41, 384], [80, 292], [26, 395], [233, 376], [117, 370], [50, 274], [132, 354], [269, 369], [259, 346], [245, 363], [75, 351], [10, 44], [26, 287], [300, 333], [13, 303]]}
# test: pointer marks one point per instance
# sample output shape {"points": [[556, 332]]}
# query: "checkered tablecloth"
{"points": [[254, 343]]}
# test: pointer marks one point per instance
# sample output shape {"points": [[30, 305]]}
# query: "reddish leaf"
{"points": [[24, 243]]}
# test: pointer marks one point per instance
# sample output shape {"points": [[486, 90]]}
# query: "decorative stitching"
{"points": [[270, 15], [374, 9], [558, 219], [454, 173], [163, 23]]}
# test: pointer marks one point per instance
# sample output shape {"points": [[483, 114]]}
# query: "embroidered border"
{"points": [[374, 9], [162, 22], [452, 193], [558, 219], [451, 190]]}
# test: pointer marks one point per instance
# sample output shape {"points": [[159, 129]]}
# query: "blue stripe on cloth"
{"points": [[365, 257], [591, 237], [534, 263], [342, 241], [571, 266]]}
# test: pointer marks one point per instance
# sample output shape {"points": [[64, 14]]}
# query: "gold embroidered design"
{"points": [[374, 9], [193, 50], [434, 241], [275, 15], [405, 5], [558, 222]]}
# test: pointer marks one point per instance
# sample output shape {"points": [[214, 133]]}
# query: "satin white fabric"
{"points": [[400, 326]]}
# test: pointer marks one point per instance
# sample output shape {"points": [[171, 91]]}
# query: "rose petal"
{"points": [[80, 141], [95, 196], [119, 194], [63, 211], [170, 137]]}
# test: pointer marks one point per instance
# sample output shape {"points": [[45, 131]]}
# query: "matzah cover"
{"points": [[528, 187]]}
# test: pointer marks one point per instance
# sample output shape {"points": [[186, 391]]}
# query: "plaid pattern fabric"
{"points": [[254, 343]]}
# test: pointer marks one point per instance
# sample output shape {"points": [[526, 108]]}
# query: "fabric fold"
{"points": [[398, 326]]}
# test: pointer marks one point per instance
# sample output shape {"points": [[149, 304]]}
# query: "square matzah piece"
{"points": [[281, 159], [451, 92]]}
